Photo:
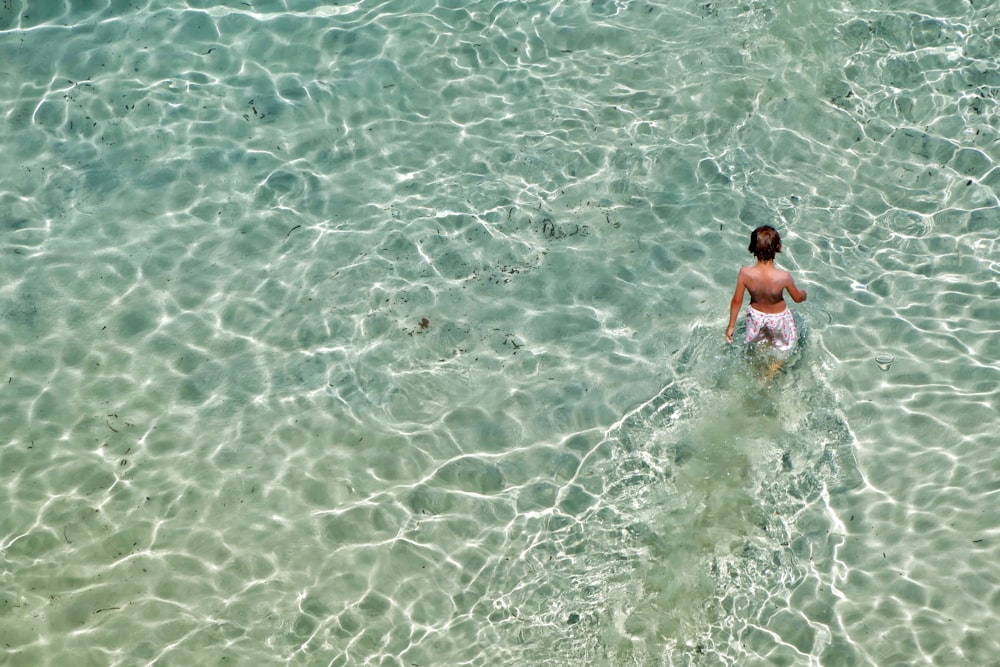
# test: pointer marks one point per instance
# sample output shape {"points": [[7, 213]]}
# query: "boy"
{"points": [[768, 319]]}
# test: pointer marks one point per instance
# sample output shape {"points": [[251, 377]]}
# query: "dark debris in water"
{"points": [[553, 230]]}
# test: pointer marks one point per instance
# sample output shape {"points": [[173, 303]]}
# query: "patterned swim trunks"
{"points": [[776, 328]]}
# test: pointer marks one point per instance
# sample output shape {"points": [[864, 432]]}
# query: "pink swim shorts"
{"points": [[775, 328]]}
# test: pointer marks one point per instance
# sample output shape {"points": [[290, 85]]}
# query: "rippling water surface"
{"points": [[386, 333]]}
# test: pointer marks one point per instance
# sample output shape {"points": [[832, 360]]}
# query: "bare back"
{"points": [[767, 285]]}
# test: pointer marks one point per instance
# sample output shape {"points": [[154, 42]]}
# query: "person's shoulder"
{"points": [[786, 276]]}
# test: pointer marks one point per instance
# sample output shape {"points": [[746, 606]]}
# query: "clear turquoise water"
{"points": [[359, 334]]}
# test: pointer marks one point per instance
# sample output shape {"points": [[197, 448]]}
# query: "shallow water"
{"points": [[349, 333]]}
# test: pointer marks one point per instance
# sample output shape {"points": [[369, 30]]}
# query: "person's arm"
{"points": [[735, 305], [798, 295]]}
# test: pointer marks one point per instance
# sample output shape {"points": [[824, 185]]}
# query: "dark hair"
{"points": [[765, 243]]}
